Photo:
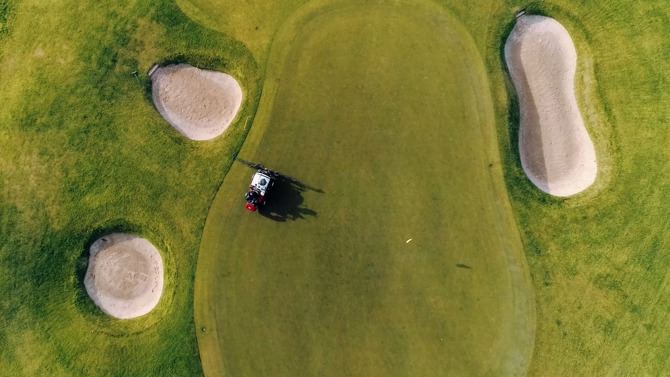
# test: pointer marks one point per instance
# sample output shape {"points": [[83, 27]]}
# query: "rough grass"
{"points": [[6, 15], [255, 23], [598, 260], [85, 153]]}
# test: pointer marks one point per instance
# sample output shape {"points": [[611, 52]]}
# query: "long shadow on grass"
{"points": [[286, 203]]}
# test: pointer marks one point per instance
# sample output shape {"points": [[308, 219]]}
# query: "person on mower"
{"points": [[251, 197]]}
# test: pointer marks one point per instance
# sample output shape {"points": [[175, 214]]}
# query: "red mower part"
{"points": [[250, 207]]}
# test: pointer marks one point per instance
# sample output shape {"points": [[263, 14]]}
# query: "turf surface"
{"points": [[72, 121], [84, 153], [391, 117]]}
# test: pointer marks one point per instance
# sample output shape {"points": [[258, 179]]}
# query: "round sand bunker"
{"points": [[200, 104], [125, 275]]}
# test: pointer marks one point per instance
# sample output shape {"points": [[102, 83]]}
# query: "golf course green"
{"points": [[422, 247], [405, 259]]}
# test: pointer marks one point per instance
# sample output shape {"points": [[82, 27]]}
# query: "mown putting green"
{"points": [[385, 108]]}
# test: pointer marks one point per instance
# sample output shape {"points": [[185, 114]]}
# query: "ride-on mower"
{"points": [[262, 182]]}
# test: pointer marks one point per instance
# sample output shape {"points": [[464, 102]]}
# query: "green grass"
{"points": [[255, 23], [397, 130], [73, 120], [84, 153], [598, 260]]}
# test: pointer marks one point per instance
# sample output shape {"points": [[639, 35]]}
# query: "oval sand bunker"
{"points": [[200, 104], [556, 151], [125, 275]]}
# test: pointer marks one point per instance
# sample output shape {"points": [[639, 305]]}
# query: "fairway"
{"points": [[385, 108]]}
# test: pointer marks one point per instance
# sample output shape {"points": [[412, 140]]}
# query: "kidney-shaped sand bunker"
{"points": [[199, 103], [556, 151], [125, 275]]}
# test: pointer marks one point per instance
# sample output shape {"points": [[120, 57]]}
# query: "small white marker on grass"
{"points": [[408, 240]]}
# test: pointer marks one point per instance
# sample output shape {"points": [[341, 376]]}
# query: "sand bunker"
{"points": [[198, 103], [556, 151], [125, 275]]}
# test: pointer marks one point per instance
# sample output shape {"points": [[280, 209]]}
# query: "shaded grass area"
{"points": [[6, 15], [85, 153], [400, 137]]}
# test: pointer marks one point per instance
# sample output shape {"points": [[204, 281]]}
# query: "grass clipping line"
{"points": [[556, 150], [200, 104], [125, 275]]}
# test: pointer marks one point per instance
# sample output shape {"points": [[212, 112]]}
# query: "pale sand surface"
{"points": [[125, 275], [200, 104], [556, 150]]}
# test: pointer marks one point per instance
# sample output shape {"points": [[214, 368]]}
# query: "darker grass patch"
{"points": [[7, 13]]}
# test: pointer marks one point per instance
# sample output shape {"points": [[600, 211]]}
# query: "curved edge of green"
{"points": [[212, 358]]}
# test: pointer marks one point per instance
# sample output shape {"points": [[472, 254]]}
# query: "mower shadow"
{"points": [[285, 203]]}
